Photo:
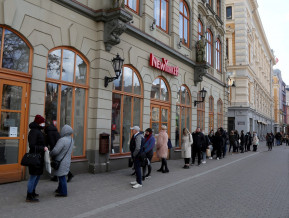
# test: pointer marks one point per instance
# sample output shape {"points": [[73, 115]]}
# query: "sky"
{"points": [[275, 19]]}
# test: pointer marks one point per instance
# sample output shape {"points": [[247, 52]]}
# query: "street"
{"points": [[253, 184]]}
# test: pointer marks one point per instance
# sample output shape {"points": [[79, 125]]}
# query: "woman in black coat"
{"points": [[36, 145]]}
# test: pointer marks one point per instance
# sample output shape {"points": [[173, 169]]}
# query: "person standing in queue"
{"points": [[62, 151], [36, 145], [162, 149], [135, 146], [149, 144], [52, 136], [187, 140], [198, 141]]}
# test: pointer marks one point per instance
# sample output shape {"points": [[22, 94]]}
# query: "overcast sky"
{"points": [[275, 20]]}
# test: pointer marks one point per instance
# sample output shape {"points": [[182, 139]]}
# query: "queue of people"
{"points": [[41, 138]]}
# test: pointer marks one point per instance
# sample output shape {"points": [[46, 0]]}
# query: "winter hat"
{"points": [[39, 119]]}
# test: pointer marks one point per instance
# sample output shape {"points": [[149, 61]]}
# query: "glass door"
{"points": [[159, 116], [12, 122]]}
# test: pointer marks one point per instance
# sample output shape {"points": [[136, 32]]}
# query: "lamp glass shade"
{"points": [[203, 93], [117, 63]]}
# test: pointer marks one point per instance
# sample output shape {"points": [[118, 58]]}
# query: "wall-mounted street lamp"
{"points": [[203, 93], [117, 63]]}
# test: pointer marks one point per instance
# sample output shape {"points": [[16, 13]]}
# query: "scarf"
{"points": [[149, 143]]}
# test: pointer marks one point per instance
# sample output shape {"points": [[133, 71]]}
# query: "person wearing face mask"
{"points": [[36, 145], [149, 144]]}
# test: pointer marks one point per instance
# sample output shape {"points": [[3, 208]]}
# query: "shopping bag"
{"points": [[47, 161], [208, 152]]}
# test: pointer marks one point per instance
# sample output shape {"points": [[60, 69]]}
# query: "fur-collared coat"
{"points": [[162, 144]]}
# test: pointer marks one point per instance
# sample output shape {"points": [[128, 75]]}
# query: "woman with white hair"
{"points": [[162, 149]]}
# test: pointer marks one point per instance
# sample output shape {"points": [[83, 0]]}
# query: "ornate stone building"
{"points": [[280, 111], [55, 56], [250, 62]]}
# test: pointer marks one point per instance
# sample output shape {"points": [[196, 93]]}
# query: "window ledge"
{"points": [[79, 160]]}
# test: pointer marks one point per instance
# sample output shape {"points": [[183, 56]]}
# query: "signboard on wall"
{"points": [[163, 65]]}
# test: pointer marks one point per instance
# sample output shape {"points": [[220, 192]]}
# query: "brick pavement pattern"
{"points": [[253, 184]]}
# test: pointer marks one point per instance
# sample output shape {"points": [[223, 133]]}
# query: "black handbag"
{"points": [[31, 159], [55, 164]]}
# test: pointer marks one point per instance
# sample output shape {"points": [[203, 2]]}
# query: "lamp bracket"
{"points": [[108, 80]]}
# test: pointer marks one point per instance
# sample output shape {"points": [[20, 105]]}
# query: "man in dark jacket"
{"points": [[135, 147], [52, 136], [198, 141]]}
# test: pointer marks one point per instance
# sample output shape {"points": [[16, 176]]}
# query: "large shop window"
{"points": [[183, 114], [184, 23], [133, 5], [220, 113], [211, 114], [200, 113], [200, 29], [126, 109], [218, 55], [15, 52], [66, 94], [209, 47], [161, 14]]}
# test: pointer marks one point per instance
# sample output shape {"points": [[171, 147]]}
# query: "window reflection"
{"points": [[164, 15], [9, 119], [80, 70], [9, 150], [11, 97], [67, 66], [127, 79], [16, 53], [164, 92], [155, 91], [53, 65], [127, 100], [66, 105], [115, 123], [160, 13], [136, 85], [51, 101], [79, 113]]}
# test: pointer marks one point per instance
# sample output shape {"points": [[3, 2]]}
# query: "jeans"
{"points": [[32, 183], [137, 169], [62, 185], [204, 156]]}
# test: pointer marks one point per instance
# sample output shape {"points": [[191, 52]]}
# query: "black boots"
{"points": [[34, 194], [30, 198]]}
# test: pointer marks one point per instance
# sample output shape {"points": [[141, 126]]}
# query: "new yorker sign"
{"points": [[163, 65]]}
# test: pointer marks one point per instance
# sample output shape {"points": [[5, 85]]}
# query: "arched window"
{"points": [[183, 114], [209, 47], [126, 109], [218, 55], [200, 113], [15, 51], [200, 29], [211, 113], [161, 14], [160, 105], [218, 8], [184, 23], [133, 5], [67, 92], [220, 113]]}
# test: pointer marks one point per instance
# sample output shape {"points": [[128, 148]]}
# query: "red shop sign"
{"points": [[163, 66]]}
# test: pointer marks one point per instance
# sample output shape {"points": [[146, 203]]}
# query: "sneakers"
{"points": [[210, 158], [133, 183], [218, 158], [204, 162], [137, 186]]}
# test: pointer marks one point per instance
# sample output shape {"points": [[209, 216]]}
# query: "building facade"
{"points": [[55, 55], [249, 65], [280, 111]]}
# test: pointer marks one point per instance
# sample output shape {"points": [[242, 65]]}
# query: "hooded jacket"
{"points": [[63, 145]]}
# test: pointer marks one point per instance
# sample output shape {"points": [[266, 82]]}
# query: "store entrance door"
{"points": [[13, 97], [160, 115]]}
